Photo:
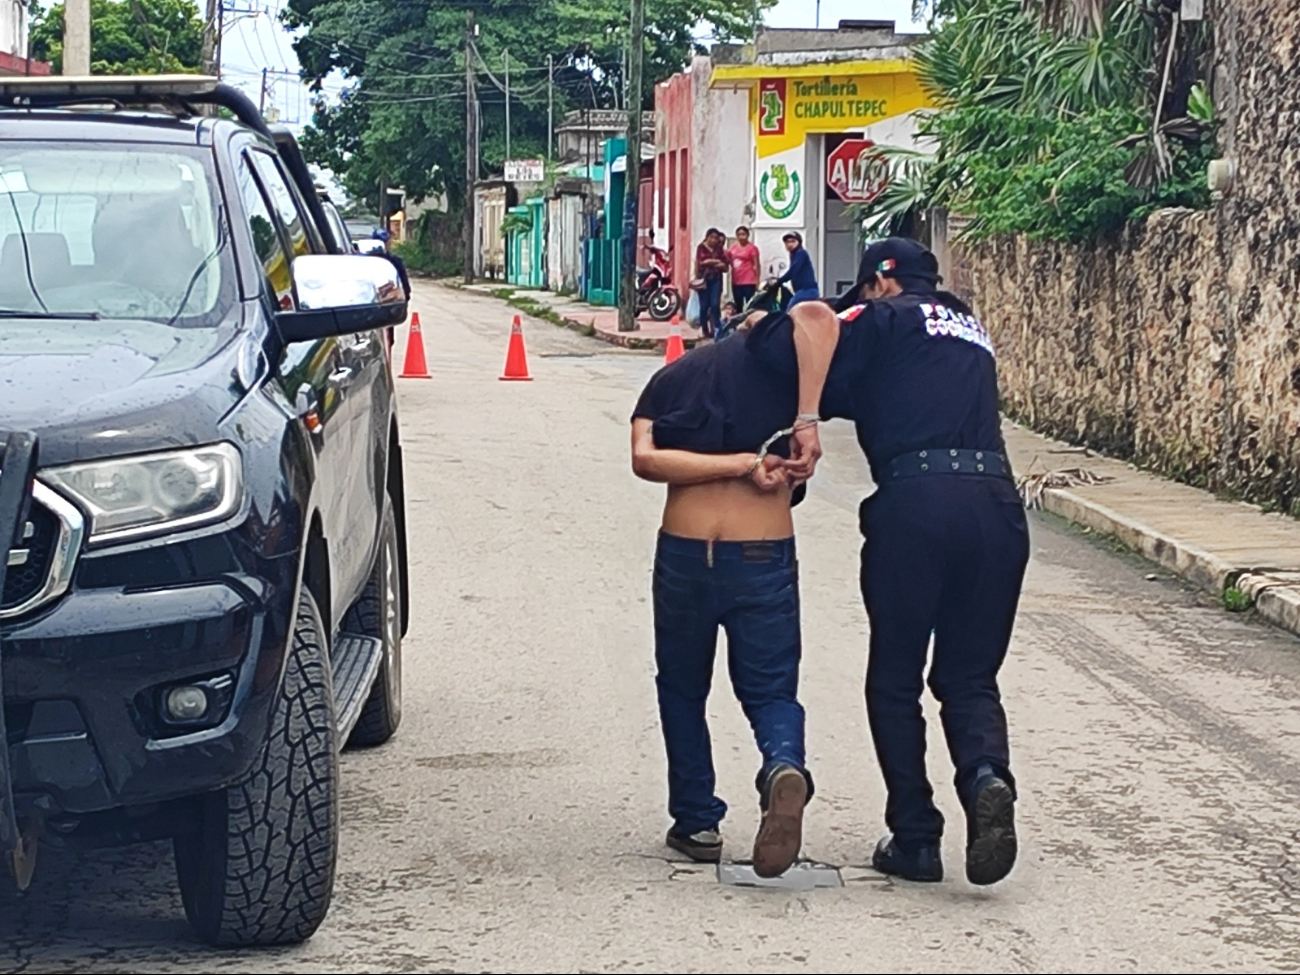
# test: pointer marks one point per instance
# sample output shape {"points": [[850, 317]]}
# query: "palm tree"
{"points": [[1025, 89]]}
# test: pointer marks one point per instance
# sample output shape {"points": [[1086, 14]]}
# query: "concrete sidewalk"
{"points": [[598, 321], [1221, 546]]}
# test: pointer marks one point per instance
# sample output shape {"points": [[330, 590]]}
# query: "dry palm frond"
{"points": [[1080, 16], [1034, 486]]}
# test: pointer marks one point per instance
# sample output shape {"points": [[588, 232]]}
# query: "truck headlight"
{"points": [[132, 497]]}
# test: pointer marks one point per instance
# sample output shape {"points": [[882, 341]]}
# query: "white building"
{"points": [[15, 25]]}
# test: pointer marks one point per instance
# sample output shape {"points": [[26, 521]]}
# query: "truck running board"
{"points": [[356, 665]]}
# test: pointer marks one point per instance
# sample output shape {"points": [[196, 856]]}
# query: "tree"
{"points": [[1059, 119], [403, 117], [128, 36]]}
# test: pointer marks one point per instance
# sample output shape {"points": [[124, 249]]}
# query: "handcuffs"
{"points": [[802, 421]]}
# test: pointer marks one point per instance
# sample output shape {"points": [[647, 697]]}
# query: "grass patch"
{"points": [[1236, 601], [535, 309]]}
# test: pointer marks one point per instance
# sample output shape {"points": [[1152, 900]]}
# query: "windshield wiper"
{"points": [[48, 316]]}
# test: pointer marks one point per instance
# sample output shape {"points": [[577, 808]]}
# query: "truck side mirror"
{"points": [[339, 294]]}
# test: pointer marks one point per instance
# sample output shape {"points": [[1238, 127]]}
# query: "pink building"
{"points": [[703, 177]]}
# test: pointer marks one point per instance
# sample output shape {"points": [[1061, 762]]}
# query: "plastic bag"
{"points": [[693, 309]]}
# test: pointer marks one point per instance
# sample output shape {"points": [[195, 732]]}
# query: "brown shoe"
{"points": [[780, 834]]}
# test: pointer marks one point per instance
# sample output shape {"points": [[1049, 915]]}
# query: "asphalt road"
{"points": [[515, 823]]}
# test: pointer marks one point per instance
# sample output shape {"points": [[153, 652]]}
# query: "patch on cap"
{"points": [[888, 264]]}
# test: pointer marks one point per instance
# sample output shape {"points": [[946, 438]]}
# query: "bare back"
{"points": [[728, 511]]}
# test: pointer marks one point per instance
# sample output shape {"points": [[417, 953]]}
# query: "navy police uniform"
{"points": [[946, 547]]}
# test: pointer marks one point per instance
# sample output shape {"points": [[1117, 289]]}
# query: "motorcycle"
{"points": [[653, 291]]}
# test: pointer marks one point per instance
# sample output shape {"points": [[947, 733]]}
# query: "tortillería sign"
{"points": [[837, 98]]}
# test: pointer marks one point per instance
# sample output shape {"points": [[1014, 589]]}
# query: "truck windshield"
{"points": [[112, 231]]}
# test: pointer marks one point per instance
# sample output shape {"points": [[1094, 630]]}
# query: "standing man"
{"points": [[800, 276], [745, 267], [946, 549], [710, 264]]}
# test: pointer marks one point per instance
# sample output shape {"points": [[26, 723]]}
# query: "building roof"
{"points": [[856, 47]]}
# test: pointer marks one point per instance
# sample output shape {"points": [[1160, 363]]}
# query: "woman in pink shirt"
{"points": [[745, 267]]}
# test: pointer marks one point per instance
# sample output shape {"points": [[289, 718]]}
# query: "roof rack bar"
{"points": [[57, 91], [229, 97]]}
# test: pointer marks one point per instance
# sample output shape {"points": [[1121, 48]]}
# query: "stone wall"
{"points": [[1177, 344]]}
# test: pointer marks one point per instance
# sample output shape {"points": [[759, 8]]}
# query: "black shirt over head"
{"points": [[729, 397]]}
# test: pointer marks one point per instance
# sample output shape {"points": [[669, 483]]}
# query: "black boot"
{"points": [[990, 829], [702, 847], [922, 864]]}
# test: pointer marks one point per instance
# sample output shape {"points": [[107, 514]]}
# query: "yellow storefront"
{"points": [[814, 127]]}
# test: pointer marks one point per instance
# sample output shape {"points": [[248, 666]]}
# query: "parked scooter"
{"points": [[654, 293]]}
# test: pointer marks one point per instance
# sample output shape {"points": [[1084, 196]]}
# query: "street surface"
{"points": [[515, 824]]}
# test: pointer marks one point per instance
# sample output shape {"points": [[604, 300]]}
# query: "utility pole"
{"points": [[471, 146], [261, 105], [507, 56], [212, 37], [632, 194], [550, 106], [76, 37]]}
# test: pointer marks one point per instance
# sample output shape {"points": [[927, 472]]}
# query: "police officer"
{"points": [[946, 548]]}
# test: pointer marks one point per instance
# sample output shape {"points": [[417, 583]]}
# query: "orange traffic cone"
{"points": [[675, 349], [516, 357], [415, 367]]}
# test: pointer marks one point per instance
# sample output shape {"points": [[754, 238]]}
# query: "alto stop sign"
{"points": [[856, 171]]}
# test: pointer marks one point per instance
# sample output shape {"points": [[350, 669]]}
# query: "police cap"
{"points": [[893, 257]]}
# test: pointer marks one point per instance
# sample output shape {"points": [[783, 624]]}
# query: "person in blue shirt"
{"points": [[800, 276]]}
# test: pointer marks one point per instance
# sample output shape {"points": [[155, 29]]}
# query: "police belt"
{"points": [[923, 463]]}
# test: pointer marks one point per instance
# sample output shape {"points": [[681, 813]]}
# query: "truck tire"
{"points": [[378, 613], [260, 868]]}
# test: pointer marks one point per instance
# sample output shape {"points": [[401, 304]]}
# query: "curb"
{"points": [[1275, 594], [626, 340]]}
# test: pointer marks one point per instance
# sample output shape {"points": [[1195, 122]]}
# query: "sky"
{"points": [[255, 38], [803, 13]]}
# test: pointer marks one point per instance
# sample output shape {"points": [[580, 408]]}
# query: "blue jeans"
{"points": [[751, 590], [711, 306]]}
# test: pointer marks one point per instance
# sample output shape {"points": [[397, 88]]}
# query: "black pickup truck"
{"points": [[202, 533]]}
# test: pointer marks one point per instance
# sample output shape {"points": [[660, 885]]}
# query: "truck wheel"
{"points": [[260, 868], [378, 613]]}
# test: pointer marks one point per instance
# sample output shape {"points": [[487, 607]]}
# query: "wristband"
{"points": [[811, 419], [754, 465]]}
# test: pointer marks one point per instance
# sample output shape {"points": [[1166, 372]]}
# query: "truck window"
{"points": [[282, 198], [266, 239]]}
